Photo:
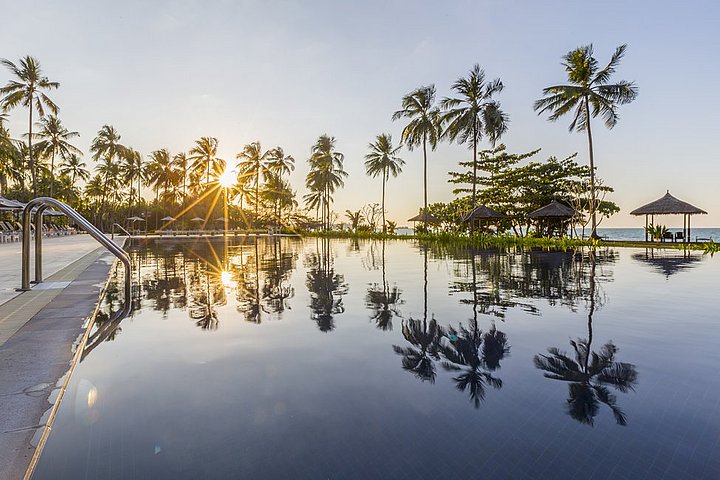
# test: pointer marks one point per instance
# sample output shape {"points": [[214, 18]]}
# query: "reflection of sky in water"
{"points": [[293, 359]]}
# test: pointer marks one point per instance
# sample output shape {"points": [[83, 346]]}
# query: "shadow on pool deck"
{"points": [[38, 330]]}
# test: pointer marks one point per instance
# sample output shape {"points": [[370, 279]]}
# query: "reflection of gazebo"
{"points": [[554, 213], [668, 262], [668, 205], [484, 213], [425, 218]]}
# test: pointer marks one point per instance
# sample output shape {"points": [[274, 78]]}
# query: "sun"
{"points": [[227, 179]]}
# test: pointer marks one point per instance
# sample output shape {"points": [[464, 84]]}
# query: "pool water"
{"points": [[310, 358]]}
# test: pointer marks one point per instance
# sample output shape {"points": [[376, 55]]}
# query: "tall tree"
{"points": [[254, 163], [9, 156], [107, 150], [27, 89], [423, 127], [55, 140], [181, 163], [474, 114], [133, 170], [162, 173], [203, 159], [326, 175], [383, 160], [588, 94], [75, 168]]}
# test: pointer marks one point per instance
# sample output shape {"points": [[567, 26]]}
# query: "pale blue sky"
{"points": [[283, 72]]}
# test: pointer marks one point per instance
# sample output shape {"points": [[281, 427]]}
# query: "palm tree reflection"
{"points": [[383, 301], [326, 287], [589, 373], [426, 337]]}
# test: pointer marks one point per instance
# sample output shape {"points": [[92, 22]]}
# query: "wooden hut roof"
{"points": [[483, 212], [553, 209], [424, 217], [668, 205]]}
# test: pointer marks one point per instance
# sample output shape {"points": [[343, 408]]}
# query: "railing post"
{"points": [[38, 242], [26, 232]]}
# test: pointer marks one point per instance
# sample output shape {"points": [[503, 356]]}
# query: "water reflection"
{"points": [[382, 300], [668, 262], [590, 373], [326, 287]]}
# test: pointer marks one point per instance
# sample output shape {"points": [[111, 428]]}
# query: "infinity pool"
{"points": [[289, 358]]}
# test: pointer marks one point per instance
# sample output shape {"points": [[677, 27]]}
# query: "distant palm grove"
{"points": [[115, 183]]}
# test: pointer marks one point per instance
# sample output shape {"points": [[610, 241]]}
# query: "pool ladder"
{"points": [[40, 204]]}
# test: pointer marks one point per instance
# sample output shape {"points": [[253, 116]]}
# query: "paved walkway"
{"points": [[37, 332], [58, 252]]}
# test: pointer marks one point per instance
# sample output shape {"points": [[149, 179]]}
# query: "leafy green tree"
{"points": [[588, 94], [55, 140], [474, 114], [133, 170], [423, 127], [10, 159], [27, 89], [383, 160]]}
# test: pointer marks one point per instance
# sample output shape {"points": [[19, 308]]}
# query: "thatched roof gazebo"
{"points": [[553, 212], [425, 218], [484, 213], [668, 205]]}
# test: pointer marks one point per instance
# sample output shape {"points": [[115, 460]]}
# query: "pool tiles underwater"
{"points": [[287, 358]]}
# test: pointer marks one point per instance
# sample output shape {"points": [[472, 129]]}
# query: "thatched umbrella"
{"points": [[425, 218], [669, 205], [167, 219], [483, 212], [553, 211]]}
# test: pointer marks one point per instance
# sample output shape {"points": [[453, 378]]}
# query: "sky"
{"points": [[165, 73]]}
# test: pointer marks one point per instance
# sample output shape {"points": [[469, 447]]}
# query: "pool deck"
{"points": [[38, 330]]}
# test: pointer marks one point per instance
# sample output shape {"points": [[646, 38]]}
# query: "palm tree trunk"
{"points": [[30, 152], [257, 194], [425, 181], [474, 190], [52, 174], [383, 202], [593, 205]]}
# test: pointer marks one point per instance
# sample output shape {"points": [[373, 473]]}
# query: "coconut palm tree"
{"points": [[27, 89], [383, 160], [254, 163], [162, 173], [279, 194], [474, 114], [326, 287], [133, 170], [54, 140], [75, 168], [423, 127], [203, 159], [588, 94], [9, 156], [326, 175], [181, 163], [107, 150]]}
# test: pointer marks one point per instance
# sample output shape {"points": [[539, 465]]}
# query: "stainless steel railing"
{"points": [[42, 203], [112, 231]]}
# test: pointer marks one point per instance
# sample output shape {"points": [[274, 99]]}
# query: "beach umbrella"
{"points": [[167, 219], [197, 219], [220, 219], [136, 219]]}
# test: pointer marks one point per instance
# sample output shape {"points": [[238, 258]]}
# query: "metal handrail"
{"points": [[42, 203], [112, 231]]}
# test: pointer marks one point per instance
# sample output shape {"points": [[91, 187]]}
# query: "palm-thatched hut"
{"points": [[554, 214], [668, 205], [484, 214], [425, 218]]}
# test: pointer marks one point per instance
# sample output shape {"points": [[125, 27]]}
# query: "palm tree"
{"points": [[423, 127], [27, 90], [588, 88], [383, 301], [204, 159], [54, 140], [9, 155], [382, 159], [75, 168], [162, 173], [474, 114], [278, 193], [133, 170], [325, 176], [355, 218], [181, 164], [426, 336], [254, 163], [106, 148]]}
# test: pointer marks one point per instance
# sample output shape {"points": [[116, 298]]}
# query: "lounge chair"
{"points": [[679, 236], [668, 236]]}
